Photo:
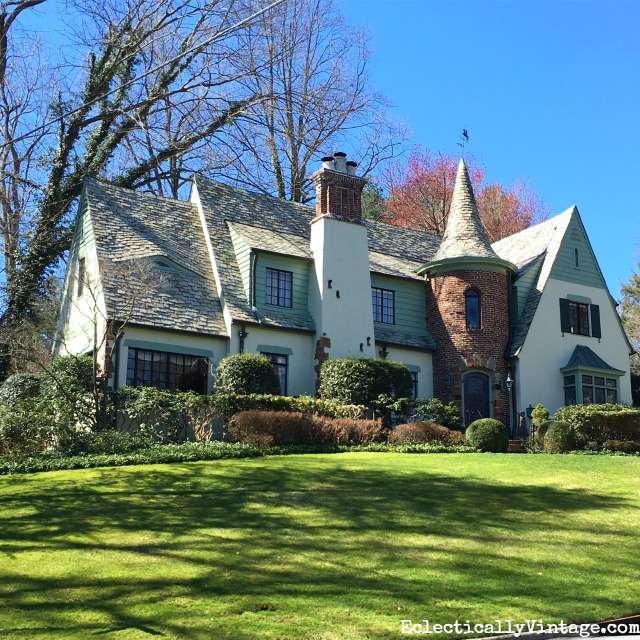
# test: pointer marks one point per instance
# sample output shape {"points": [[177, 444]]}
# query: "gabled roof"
{"points": [[583, 356], [524, 249], [279, 226], [131, 227]]}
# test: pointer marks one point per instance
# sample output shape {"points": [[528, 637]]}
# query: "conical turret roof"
{"points": [[464, 235]]}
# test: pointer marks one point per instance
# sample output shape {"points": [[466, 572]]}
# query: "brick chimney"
{"points": [[339, 189]]}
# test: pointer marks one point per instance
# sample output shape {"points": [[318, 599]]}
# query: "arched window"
{"points": [[472, 309]]}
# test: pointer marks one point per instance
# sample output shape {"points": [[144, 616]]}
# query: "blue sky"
{"points": [[548, 91]]}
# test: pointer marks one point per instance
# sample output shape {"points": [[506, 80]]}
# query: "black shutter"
{"points": [[565, 318], [596, 332]]}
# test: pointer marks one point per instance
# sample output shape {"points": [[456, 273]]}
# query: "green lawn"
{"points": [[317, 546]]}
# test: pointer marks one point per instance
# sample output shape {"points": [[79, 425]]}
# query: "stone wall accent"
{"points": [[459, 349]]}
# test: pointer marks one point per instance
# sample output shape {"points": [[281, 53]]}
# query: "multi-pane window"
{"points": [[414, 385], [472, 309], [569, 390], [594, 389], [598, 390], [383, 305], [281, 365], [279, 287], [82, 275], [147, 368], [579, 318]]}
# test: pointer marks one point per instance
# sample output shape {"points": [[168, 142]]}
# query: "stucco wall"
{"points": [[341, 255], [301, 377], [415, 360], [546, 349]]}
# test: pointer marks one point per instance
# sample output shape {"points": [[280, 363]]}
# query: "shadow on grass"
{"points": [[201, 543]]}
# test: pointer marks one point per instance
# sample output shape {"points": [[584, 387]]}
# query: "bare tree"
{"points": [[155, 84], [315, 97]]}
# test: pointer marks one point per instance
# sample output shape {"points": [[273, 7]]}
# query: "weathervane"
{"points": [[465, 138]]}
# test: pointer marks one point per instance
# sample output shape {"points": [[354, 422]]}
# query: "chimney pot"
{"points": [[327, 162], [351, 167], [340, 161]]}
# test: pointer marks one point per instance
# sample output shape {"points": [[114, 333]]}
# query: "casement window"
{"points": [[472, 309], [146, 368], [383, 301], [580, 318], [82, 276], [587, 388], [279, 288], [414, 385], [281, 365]]}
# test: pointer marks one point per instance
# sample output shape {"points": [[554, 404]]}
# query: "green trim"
{"points": [[472, 263], [413, 368], [268, 348], [582, 299], [167, 348]]}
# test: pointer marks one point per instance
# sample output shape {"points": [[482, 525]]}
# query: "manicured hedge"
{"points": [[597, 423], [290, 427], [196, 451], [363, 380]]}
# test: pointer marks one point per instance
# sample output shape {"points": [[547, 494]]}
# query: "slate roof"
{"points": [[132, 229], [464, 235], [524, 249], [283, 227], [583, 356], [130, 225]]}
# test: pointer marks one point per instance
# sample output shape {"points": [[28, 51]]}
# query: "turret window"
{"points": [[472, 309]]}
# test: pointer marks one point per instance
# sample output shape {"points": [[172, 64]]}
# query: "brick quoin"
{"points": [[459, 349]]}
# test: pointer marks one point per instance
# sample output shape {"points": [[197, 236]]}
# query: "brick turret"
{"points": [[468, 292]]}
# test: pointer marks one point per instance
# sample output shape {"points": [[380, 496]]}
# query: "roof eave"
{"points": [[473, 263]]}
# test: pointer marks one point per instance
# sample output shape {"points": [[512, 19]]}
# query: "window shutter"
{"points": [[596, 332], [565, 320]]}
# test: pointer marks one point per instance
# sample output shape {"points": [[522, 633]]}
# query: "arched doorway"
{"points": [[476, 401]]}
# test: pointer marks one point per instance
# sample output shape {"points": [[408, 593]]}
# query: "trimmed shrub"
{"points": [[268, 428], [363, 380], [488, 435], [560, 437], [539, 414], [20, 386], [541, 430], [601, 422], [625, 446], [413, 432], [246, 373]]}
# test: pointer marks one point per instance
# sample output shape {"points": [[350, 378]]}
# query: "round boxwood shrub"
{"points": [[362, 380], [20, 386], [245, 373], [560, 437], [541, 431], [488, 434]]}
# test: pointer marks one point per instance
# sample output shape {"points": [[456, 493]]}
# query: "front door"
{"points": [[476, 397]]}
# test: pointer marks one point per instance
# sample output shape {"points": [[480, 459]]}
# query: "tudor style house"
{"points": [[163, 290]]}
